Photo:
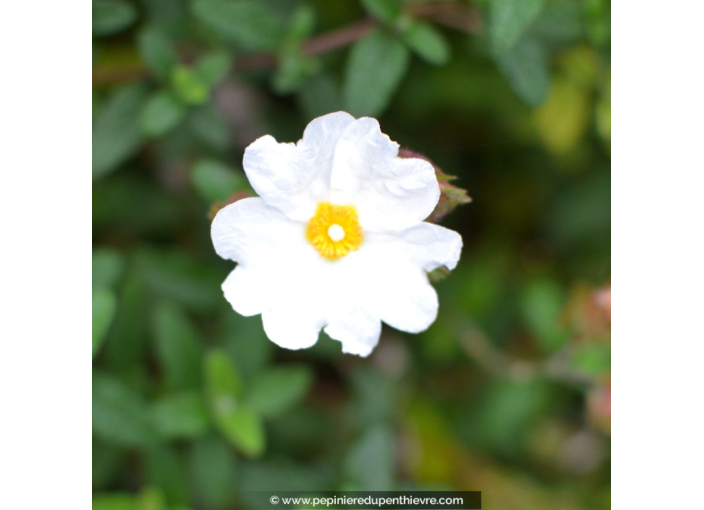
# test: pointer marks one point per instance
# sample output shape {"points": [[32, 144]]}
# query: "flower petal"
{"points": [[357, 329], [294, 325], [427, 246], [249, 231], [250, 291], [390, 193], [321, 136], [271, 251], [295, 177], [390, 287], [407, 302]]}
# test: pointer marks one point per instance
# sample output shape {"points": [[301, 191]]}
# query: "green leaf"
{"points": [[188, 86], [126, 346], [300, 24], [160, 209], [166, 469], [108, 266], [561, 123], [320, 95], [292, 72], [114, 501], [120, 415], [374, 395], [215, 181], [161, 114], [602, 113], [214, 469], [107, 460], [541, 302], [246, 22], [505, 411], [509, 19], [242, 427], [284, 474], [375, 68], [172, 17], [278, 389], [177, 276], [294, 67], [245, 430], [112, 16], [560, 22], [151, 498], [526, 68], [213, 67], [597, 14], [385, 10], [104, 304], [96, 104], [247, 344], [428, 42], [116, 134], [178, 347], [207, 123], [370, 462], [593, 359], [303, 428], [181, 415], [222, 382], [157, 52]]}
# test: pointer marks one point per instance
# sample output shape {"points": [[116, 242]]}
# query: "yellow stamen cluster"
{"points": [[334, 230]]}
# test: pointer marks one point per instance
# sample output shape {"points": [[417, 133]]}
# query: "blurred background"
{"points": [[507, 393]]}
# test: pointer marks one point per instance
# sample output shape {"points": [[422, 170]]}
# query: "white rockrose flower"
{"points": [[336, 239]]}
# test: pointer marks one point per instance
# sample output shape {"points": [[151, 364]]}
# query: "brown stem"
{"points": [[338, 38], [451, 14], [255, 61], [478, 347], [314, 46], [110, 76]]}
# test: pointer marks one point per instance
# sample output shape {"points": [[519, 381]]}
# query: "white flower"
{"points": [[336, 238]]}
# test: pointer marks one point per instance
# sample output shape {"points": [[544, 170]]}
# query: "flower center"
{"points": [[334, 230]]}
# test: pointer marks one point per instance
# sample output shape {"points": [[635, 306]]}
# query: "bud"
{"points": [[450, 196], [588, 313], [599, 405], [188, 86]]}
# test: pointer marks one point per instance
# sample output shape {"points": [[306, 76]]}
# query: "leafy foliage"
{"points": [[245, 22], [193, 406], [427, 42], [116, 134], [376, 66], [157, 52], [510, 19], [526, 69], [215, 181], [161, 114], [112, 16], [103, 311], [119, 413]]}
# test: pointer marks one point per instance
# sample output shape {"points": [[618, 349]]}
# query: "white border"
{"points": [[658, 254], [45, 229]]}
